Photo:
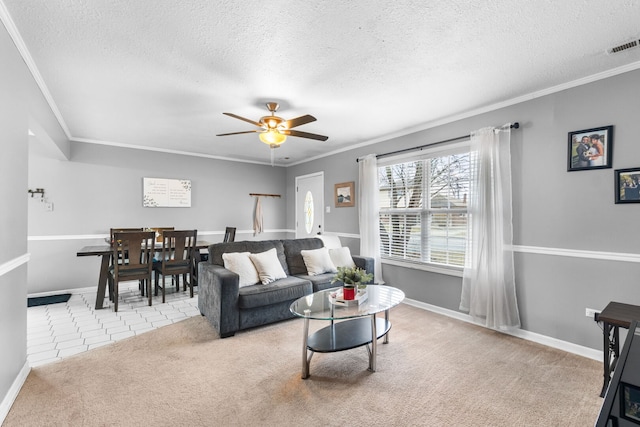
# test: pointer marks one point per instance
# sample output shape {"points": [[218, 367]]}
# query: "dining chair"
{"points": [[122, 260], [135, 249], [159, 231], [176, 259], [229, 234]]}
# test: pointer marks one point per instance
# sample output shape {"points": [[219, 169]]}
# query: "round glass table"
{"points": [[357, 325]]}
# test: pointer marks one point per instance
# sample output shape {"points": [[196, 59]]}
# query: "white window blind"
{"points": [[423, 208]]}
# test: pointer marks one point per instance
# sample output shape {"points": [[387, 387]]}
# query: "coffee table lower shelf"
{"points": [[346, 335]]}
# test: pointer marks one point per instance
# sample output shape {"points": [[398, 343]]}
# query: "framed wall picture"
{"points": [[345, 194], [627, 185], [630, 402], [590, 149], [162, 193]]}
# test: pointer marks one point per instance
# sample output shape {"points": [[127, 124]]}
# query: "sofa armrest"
{"points": [[364, 262], [218, 290]]}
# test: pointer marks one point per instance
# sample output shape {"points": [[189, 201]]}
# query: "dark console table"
{"points": [[614, 316], [621, 406]]}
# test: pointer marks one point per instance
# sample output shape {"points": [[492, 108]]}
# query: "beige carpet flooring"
{"points": [[436, 371]]}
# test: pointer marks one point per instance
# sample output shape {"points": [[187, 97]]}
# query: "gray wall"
{"points": [[14, 117], [101, 187], [96, 187], [554, 210]]}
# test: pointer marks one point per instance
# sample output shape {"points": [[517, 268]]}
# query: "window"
{"points": [[423, 208]]}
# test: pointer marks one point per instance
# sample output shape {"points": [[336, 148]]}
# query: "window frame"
{"points": [[426, 212]]}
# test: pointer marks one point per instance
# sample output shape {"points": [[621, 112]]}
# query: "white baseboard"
{"points": [[587, 352], [11, 395]]}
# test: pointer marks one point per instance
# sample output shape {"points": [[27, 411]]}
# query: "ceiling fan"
{"points": [[274, 130]]}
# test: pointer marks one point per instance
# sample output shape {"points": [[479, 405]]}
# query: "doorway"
{"points": [[309, 205]]}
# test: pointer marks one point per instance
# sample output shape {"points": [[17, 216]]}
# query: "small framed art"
{"points": [[590, 149], [630, 402], [627, 185], [345, 194]]}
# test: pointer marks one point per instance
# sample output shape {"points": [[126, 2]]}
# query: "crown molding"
{"points": [[168, 151], [486, 109], [6, 19]]}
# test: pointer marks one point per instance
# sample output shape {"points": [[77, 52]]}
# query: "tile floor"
{"points": [[60, 330]]}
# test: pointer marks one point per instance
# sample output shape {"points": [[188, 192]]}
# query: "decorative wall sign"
{"points": [[590, 149], [166, 193], [345, 194]]}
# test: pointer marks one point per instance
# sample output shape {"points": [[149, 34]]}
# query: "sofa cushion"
{"points": [[217, 249], [321, 282], [341, 257], [241, 264], [317, 261], [268, 266], [287, 289], [292, 254], [330, 241]]}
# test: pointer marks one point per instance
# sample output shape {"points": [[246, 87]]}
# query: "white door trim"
{"points": [[321, 201]]}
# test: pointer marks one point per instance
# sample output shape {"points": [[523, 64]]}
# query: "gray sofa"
{"points": [[230, 308]]}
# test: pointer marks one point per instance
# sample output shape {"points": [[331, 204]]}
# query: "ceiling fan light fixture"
{"points": [[272, 137]]}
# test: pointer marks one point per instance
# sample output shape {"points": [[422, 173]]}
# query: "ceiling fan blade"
{"points": [[298, 121], [235, 116], [304, 134], [238, 133]]}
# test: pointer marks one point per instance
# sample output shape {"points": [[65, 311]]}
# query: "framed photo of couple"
{"points": [[590, 149]]}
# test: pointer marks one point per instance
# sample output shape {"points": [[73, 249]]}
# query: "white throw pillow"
{"points": [[268, 266], [240, 263], [341, 257], [329, 241], [318, 261]]}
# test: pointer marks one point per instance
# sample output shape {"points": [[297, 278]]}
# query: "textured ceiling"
{"points": [[160, 74]]}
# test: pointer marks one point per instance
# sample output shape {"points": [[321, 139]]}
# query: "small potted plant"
{"points": [[352, 278]]}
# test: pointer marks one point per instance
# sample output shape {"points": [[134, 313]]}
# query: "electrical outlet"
{"points": [[591, 312], [48, 206]]}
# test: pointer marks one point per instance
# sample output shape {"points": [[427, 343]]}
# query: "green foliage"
{"points": [[351, 275]]}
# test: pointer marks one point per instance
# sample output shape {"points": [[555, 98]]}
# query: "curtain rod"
{"points": [[515, 125]]}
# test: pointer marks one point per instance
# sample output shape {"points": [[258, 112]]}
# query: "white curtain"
{"points": [[368, 212], [488, 284]]}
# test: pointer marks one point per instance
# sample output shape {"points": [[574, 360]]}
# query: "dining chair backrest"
{"points": [[113, 240], [178, 249], [137, 248], [121, 230], [229, 234]]}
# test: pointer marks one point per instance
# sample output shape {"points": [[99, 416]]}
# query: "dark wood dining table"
{"points": [[105, 252]]}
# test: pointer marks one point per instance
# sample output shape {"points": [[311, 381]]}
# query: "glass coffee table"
{"points": [[358, 322]]}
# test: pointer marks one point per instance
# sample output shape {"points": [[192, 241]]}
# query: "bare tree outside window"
{"points": [[432, 230]]}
